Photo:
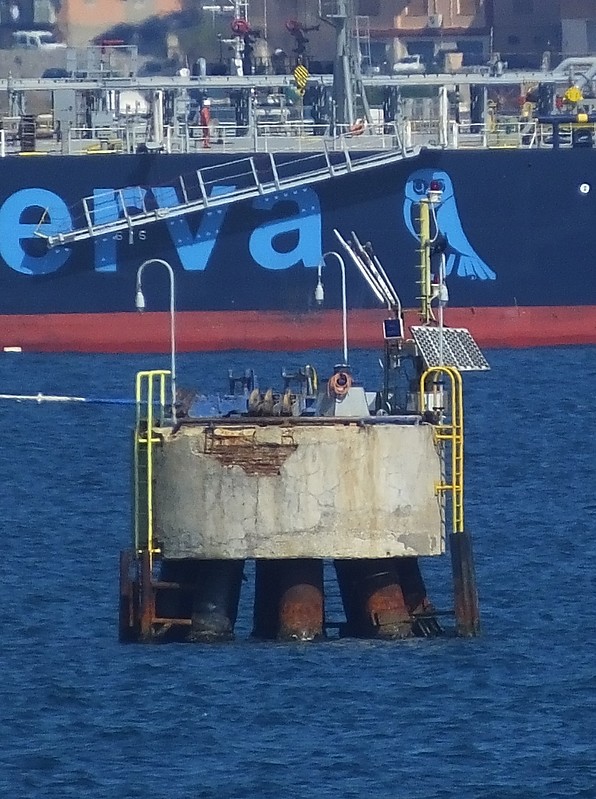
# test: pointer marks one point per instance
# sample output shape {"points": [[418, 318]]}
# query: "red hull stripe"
{"points": [[198, 331]]}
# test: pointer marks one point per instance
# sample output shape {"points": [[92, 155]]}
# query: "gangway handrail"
{"points": [[347, 164]]}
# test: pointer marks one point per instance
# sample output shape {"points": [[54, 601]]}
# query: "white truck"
{"points": [[409, 65], [36, 40]]}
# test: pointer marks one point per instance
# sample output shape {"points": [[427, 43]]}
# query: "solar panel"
{"points": [[449, 346]]}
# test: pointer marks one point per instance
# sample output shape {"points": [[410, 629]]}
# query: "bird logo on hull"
{"points": [[461, 258]]}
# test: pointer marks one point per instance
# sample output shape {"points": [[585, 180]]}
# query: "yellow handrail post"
{"points": [[144, 439], [467, 612], [453, 433]]}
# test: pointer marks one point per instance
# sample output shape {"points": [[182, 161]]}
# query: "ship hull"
{"points": [[205, 331], [518, 253]]}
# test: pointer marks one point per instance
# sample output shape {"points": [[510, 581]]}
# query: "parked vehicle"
{"points": [[45, 127], [409, 65], [36, 40]]}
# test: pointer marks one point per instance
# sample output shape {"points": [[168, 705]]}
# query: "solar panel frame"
{"points": [[458, 348]]}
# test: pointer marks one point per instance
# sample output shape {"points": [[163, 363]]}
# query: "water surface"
{"points": [[509, 715]]}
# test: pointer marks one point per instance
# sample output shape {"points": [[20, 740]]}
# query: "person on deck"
{"points": [[204, 121]]}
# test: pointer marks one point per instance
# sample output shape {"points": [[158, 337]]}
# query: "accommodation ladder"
{"points": [[208, 187]]}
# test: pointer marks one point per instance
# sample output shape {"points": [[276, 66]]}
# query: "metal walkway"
{"points": [[239, 179], [210, 83]]}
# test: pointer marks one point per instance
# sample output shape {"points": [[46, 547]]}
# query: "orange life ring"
{"points": [[357, 128], [240, 26], [339, 384]]}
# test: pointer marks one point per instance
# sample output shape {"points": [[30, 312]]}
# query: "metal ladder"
{"points": [[451, 431], [208, 187], [150, 390], [140, 581]]}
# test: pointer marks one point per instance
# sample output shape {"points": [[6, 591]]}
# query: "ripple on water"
{"points": [[507, 716]]}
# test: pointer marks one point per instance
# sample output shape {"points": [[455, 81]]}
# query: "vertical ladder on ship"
{"points": [[241, 9], [208, 187]]}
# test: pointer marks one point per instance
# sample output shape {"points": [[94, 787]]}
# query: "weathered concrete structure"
{"points": [[314, 472], [330, 488]]}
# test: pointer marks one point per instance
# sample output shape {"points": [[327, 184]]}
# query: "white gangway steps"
{"points": [[209, 187]]}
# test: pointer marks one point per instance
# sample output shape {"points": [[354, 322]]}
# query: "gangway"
{"points": [[110, 212]]}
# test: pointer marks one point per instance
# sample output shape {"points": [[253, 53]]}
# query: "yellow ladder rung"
{"points": [[149, 384], [452, 433]]}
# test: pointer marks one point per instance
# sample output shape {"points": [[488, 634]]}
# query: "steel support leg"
{"points": [[467, 610], [373, 599], [216, 598], [415, 597], [301, 603], [266, 604], [126, 616], [146, 607]]}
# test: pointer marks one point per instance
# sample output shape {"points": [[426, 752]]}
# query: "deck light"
{"points": [[435, 191], [319, 291], [140, 304], [320, 295]]}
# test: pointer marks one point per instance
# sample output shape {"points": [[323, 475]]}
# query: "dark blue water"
{"points": [[508, 715]]}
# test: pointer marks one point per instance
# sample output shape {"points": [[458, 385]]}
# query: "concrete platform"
{"points": [[298, 488]]}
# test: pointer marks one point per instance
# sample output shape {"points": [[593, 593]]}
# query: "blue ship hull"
{"points": [[519, 257]]}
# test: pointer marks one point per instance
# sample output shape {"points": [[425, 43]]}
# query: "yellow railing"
{"points": [[150, 395], [450, 429]]}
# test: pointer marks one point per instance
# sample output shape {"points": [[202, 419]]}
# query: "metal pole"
{"points": [[344, 303], [158, 116], [444, 116], [425, 287], [441, 307], [467, 608], [140, 302]]}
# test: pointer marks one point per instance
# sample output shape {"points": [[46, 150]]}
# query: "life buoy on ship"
{"points": [[240, 27], [339, 384], [357, 128]]}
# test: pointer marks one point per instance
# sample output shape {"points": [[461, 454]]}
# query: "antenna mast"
{"points": [[347, 74]]}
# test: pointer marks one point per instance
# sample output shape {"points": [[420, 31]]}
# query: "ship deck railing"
{"points": [[301, 137], [290, 136], [512, 134], [294, 136]]}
